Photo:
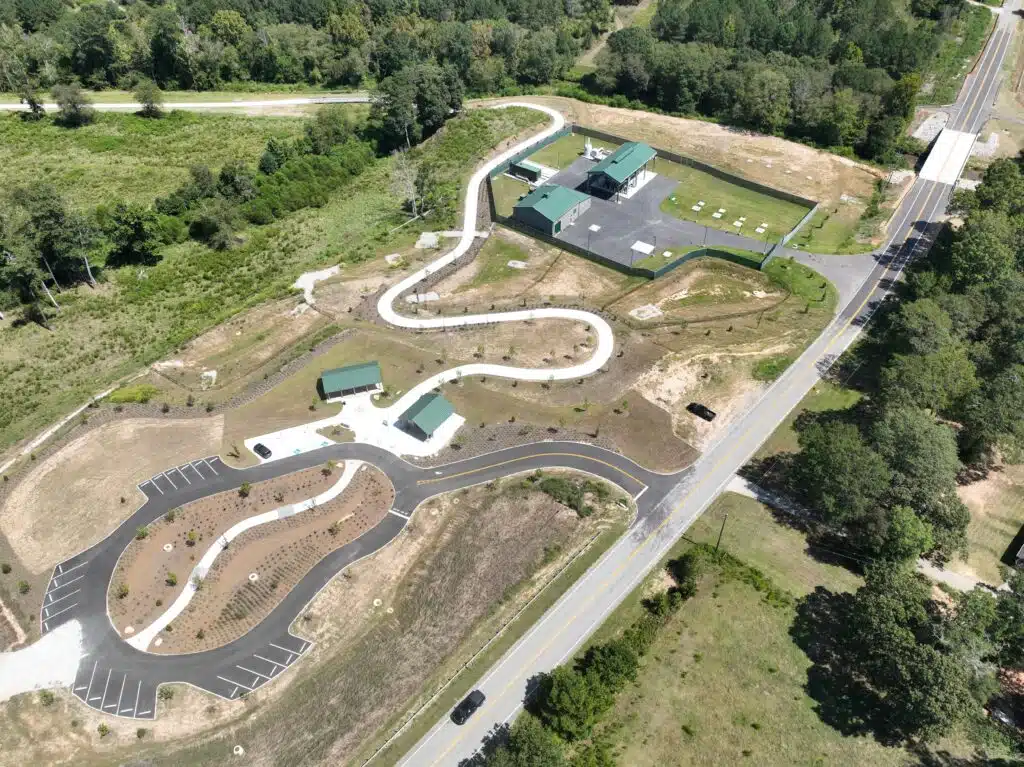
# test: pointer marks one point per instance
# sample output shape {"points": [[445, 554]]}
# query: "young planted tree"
{"points": [[74, 108], [150, 97]]}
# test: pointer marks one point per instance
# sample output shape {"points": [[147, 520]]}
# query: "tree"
{"points": [[404, 172], [35, 110], [907, 536], [571, 702], [149, 95], [529, 744], [763, 100], [539, 62], [230, 27], [839, 473], [1007, 630], [134, 233], [938, 381], [921, 327], [74, 109], [981, 252]]}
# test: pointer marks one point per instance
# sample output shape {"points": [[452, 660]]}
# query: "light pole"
{"points": [[719, 541]]}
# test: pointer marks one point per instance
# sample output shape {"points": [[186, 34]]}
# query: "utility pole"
{"points": [[719, 541]]}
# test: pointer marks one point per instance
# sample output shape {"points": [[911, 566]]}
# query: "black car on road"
{"points": [[469, 705], [261, 450]]}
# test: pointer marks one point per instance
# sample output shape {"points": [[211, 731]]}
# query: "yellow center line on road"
{"points": [[527, 458], [682, 503], [985, 69]]}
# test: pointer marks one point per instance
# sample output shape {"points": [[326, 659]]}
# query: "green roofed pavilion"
{"points": [[428, 413], [621, 167], [350, 379], [550, 208]]}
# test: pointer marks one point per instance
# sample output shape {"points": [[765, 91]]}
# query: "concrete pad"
{"points": [[695, 207], [642, 247], [760, 230], [737, 223], [428, 241], [716, 215], [643, 179], [517, 264], [646, 312], [594, 227]]}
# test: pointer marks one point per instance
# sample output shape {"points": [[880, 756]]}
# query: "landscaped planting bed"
{"points": [[230, 602], [142, 586]]}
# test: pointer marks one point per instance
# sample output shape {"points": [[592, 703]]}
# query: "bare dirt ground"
{"points": [[280, 553], [73, 498], [146, 568], [996, 504], [811, 172]]}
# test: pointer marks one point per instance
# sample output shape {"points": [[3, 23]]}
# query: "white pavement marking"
{"points": [[80, 687], [144, 713], [398, 514], [121, 694], [637, 496], [59, 571], [59, 612], [207, 462], [138, 692], [232, 681], [142, 639], [80, 564], [104, 698], [234, 692], [154, 484], [196, 469], [62, 585], [256, 673], [182, 475], [268, 660], [164, 475], [53, 601]]}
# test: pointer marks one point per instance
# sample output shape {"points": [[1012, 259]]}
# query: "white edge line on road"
{"points": [[398, 514]]}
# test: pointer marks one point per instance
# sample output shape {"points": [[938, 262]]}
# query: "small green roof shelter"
{"points": [[621, 167], [428, 413], [350, 379], [550, 208]]}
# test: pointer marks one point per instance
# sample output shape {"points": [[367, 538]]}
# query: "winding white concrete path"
{"points": [[144, 638]]}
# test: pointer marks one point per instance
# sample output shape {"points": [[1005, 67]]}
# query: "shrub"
{"points": [[171, 515], [197, 582], [46, 697], [103, 730], [191, 537], [141, 532], [165, 408], [244, 490], [166, 693], [141, 733], [5, 568], [141, 394], [200, 634], [770, 368], [23, 587], [122, 591], [328, 468], [172, 579]]}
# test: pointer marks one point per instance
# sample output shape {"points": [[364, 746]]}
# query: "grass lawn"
{"points": [[137, 317], [757, 208], [507, 191], [804, 283], [833, 229], [656, 261], [561, 153], [997, 515], [824, 396], [122, 156], [493, 262]]}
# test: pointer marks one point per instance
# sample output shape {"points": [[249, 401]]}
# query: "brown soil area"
{"points": [[8, 636], [73, 498], [145, 566], [280, 553], [540, 344], [812, 172], [241, 345]]}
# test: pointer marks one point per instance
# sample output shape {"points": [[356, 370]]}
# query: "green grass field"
{"points": [[724, 683], [824, 396], [493, 262], [833, 230], [507, 191], [562, 152], [122, 156], [136, 318], [658, 260], [963, 42], [696, 186]]}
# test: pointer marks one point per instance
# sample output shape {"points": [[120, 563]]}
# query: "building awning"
{"points": [[351, 377], [624, 161], [429, 412]]}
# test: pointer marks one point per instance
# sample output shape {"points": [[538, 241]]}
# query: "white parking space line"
{"points": [[121, 694], [164, 475], [143, 713], [138, 692], [182, 475], [62, 585], [59, 599], [125, 709], [59, 612], [196, 469], [232, 681], [285, 649], [398, 514], [257, 673], [274, 662], [59, 570], [234, 692], [104, 698], [154, 484], [211, 467], [81, 687], [637, 496]]}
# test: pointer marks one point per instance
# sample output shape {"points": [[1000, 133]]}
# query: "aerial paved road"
{"points": [[568, 623]]}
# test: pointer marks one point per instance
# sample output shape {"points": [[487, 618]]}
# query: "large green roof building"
{"points": [[551, 208], [621, 168], [351, 379], [427, 414]]}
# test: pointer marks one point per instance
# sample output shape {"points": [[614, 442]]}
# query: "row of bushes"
{"points": [[571, 493]]}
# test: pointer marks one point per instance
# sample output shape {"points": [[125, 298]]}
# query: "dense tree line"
{"points": [[190, 44], [840, 74]]}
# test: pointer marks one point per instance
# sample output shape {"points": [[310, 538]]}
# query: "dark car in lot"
{"points": [[467, 707], [702, 411], [262, 450]]}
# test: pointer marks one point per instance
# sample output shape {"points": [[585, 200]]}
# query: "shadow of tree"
{"points": [[843, 699]]}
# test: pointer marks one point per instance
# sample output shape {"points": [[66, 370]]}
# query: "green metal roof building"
{"points": [[525, 169], [551, 208], [351, 379], [427, 414], [620, 168]]}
